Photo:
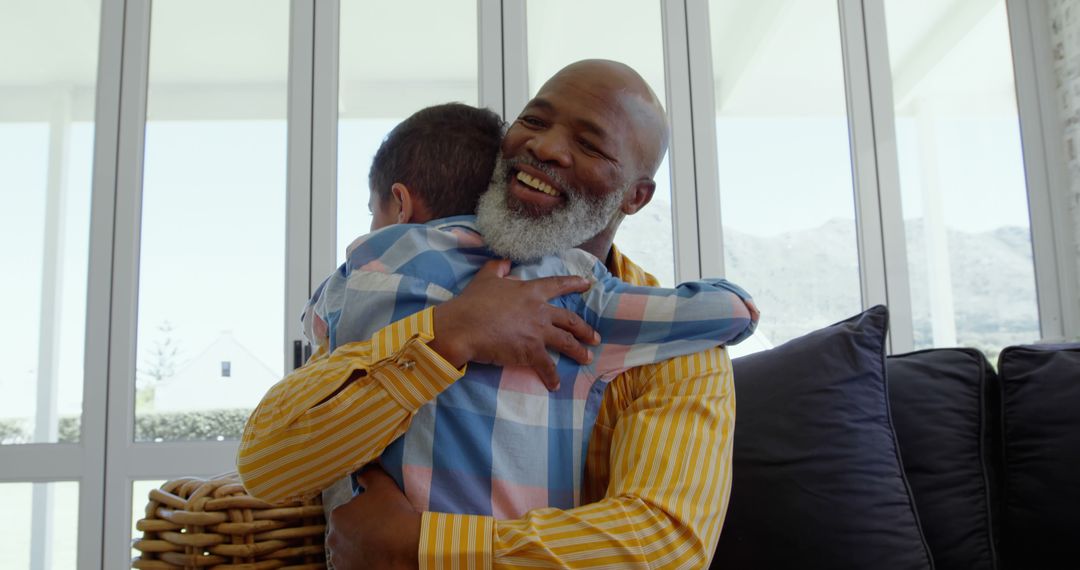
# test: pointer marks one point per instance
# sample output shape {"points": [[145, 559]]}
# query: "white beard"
{"points": [[511, 231]]}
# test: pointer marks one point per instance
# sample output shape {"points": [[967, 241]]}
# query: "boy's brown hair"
{"points": [[444, 154]]}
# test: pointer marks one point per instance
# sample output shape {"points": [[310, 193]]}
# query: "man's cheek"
{"points": [[511, 141]]}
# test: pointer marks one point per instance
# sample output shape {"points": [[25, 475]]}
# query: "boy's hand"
{"points": [[755, 314], [508, 322]]}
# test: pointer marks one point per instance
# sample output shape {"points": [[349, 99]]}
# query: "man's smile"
{"points": [[533, 188], [537, 184]]}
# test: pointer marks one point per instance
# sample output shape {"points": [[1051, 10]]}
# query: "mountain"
{"points": [[807, 279]]}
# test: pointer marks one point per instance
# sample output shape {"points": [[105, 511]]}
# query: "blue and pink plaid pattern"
{"points": [[496, 442]]}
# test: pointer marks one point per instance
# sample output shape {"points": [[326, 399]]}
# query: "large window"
{"points": [[46, 145], [47, 96], [786, 192], [212, 264], [962, 175]]}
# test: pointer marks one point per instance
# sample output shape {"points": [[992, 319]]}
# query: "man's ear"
{"points": [[405, 198], [638, 195]]}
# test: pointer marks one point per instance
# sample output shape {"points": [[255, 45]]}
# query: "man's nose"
{"points": [[550, 146]]}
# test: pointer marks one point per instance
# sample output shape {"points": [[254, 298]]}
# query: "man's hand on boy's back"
{"points": [[508, 322]]}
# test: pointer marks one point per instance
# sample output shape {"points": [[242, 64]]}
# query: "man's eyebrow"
{"points": [[542, 104], [587, 125]]}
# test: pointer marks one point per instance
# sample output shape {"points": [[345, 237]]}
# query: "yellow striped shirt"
{"points": [[657, 476]]}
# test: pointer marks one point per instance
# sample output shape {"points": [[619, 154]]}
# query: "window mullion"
{"points": [[706, 170], [92, 435], [878, 213], [125, 281], [684, 202], [300, 211], [489, 26], [324, 152], [515, 43]]}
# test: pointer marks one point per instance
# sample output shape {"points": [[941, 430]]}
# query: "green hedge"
{"points": [[13, 430], [69, 429], [191, 426], [208, 425]]}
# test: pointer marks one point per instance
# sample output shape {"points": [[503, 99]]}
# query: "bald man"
{"points": [[579, 158]]}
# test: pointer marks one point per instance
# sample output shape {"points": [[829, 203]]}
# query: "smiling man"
{"points": [[580, 157], [657, 473]]}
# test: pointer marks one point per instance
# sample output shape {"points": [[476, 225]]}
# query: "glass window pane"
{"points": [[211, 272], [961, 175], [433, 60], [47, 84], [39, 526], [637, 39], [786, 191]]}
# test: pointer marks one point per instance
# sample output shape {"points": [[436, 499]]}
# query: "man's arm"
{"points": [[662, 466], [338, 413], [667, 488]]}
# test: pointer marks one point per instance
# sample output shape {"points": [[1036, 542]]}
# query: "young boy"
{"points": [[495, 442]]}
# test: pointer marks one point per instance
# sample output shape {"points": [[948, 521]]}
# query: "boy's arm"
{"points": [[643, 325]]}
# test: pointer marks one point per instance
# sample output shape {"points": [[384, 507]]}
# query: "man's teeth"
{"points": [[537, 184]]}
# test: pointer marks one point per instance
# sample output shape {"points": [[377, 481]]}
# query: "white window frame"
{"points": [[84, 462], [1055, 253], [872, 126], [126, 460]]}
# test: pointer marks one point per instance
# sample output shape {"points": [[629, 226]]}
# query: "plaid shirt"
{"points": [[496, 442]]}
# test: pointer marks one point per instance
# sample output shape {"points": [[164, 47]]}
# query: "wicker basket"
{"points": [[213, 523]]}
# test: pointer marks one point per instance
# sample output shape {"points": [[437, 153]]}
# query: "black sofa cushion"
{"points": [[1041, 411], [817, 479], [944, 409]]}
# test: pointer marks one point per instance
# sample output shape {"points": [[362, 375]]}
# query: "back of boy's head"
{"points": [[444, 154]]}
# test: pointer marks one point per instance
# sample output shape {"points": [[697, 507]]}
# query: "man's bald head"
{"points": [[642, 108]]}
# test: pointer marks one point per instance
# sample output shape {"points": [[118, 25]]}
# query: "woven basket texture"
{"points": [[194, 523]]}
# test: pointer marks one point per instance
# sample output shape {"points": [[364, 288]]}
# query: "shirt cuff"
{"points": [[410, 371], [455, 541]]}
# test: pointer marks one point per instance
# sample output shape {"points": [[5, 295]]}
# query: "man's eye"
{"points": [[589, 147], [532, 121]]}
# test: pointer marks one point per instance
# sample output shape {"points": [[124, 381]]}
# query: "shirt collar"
{"points": [[463, 221], [621, 267]]}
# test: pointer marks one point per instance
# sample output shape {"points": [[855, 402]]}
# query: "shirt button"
{"points": [[406, 364]]}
